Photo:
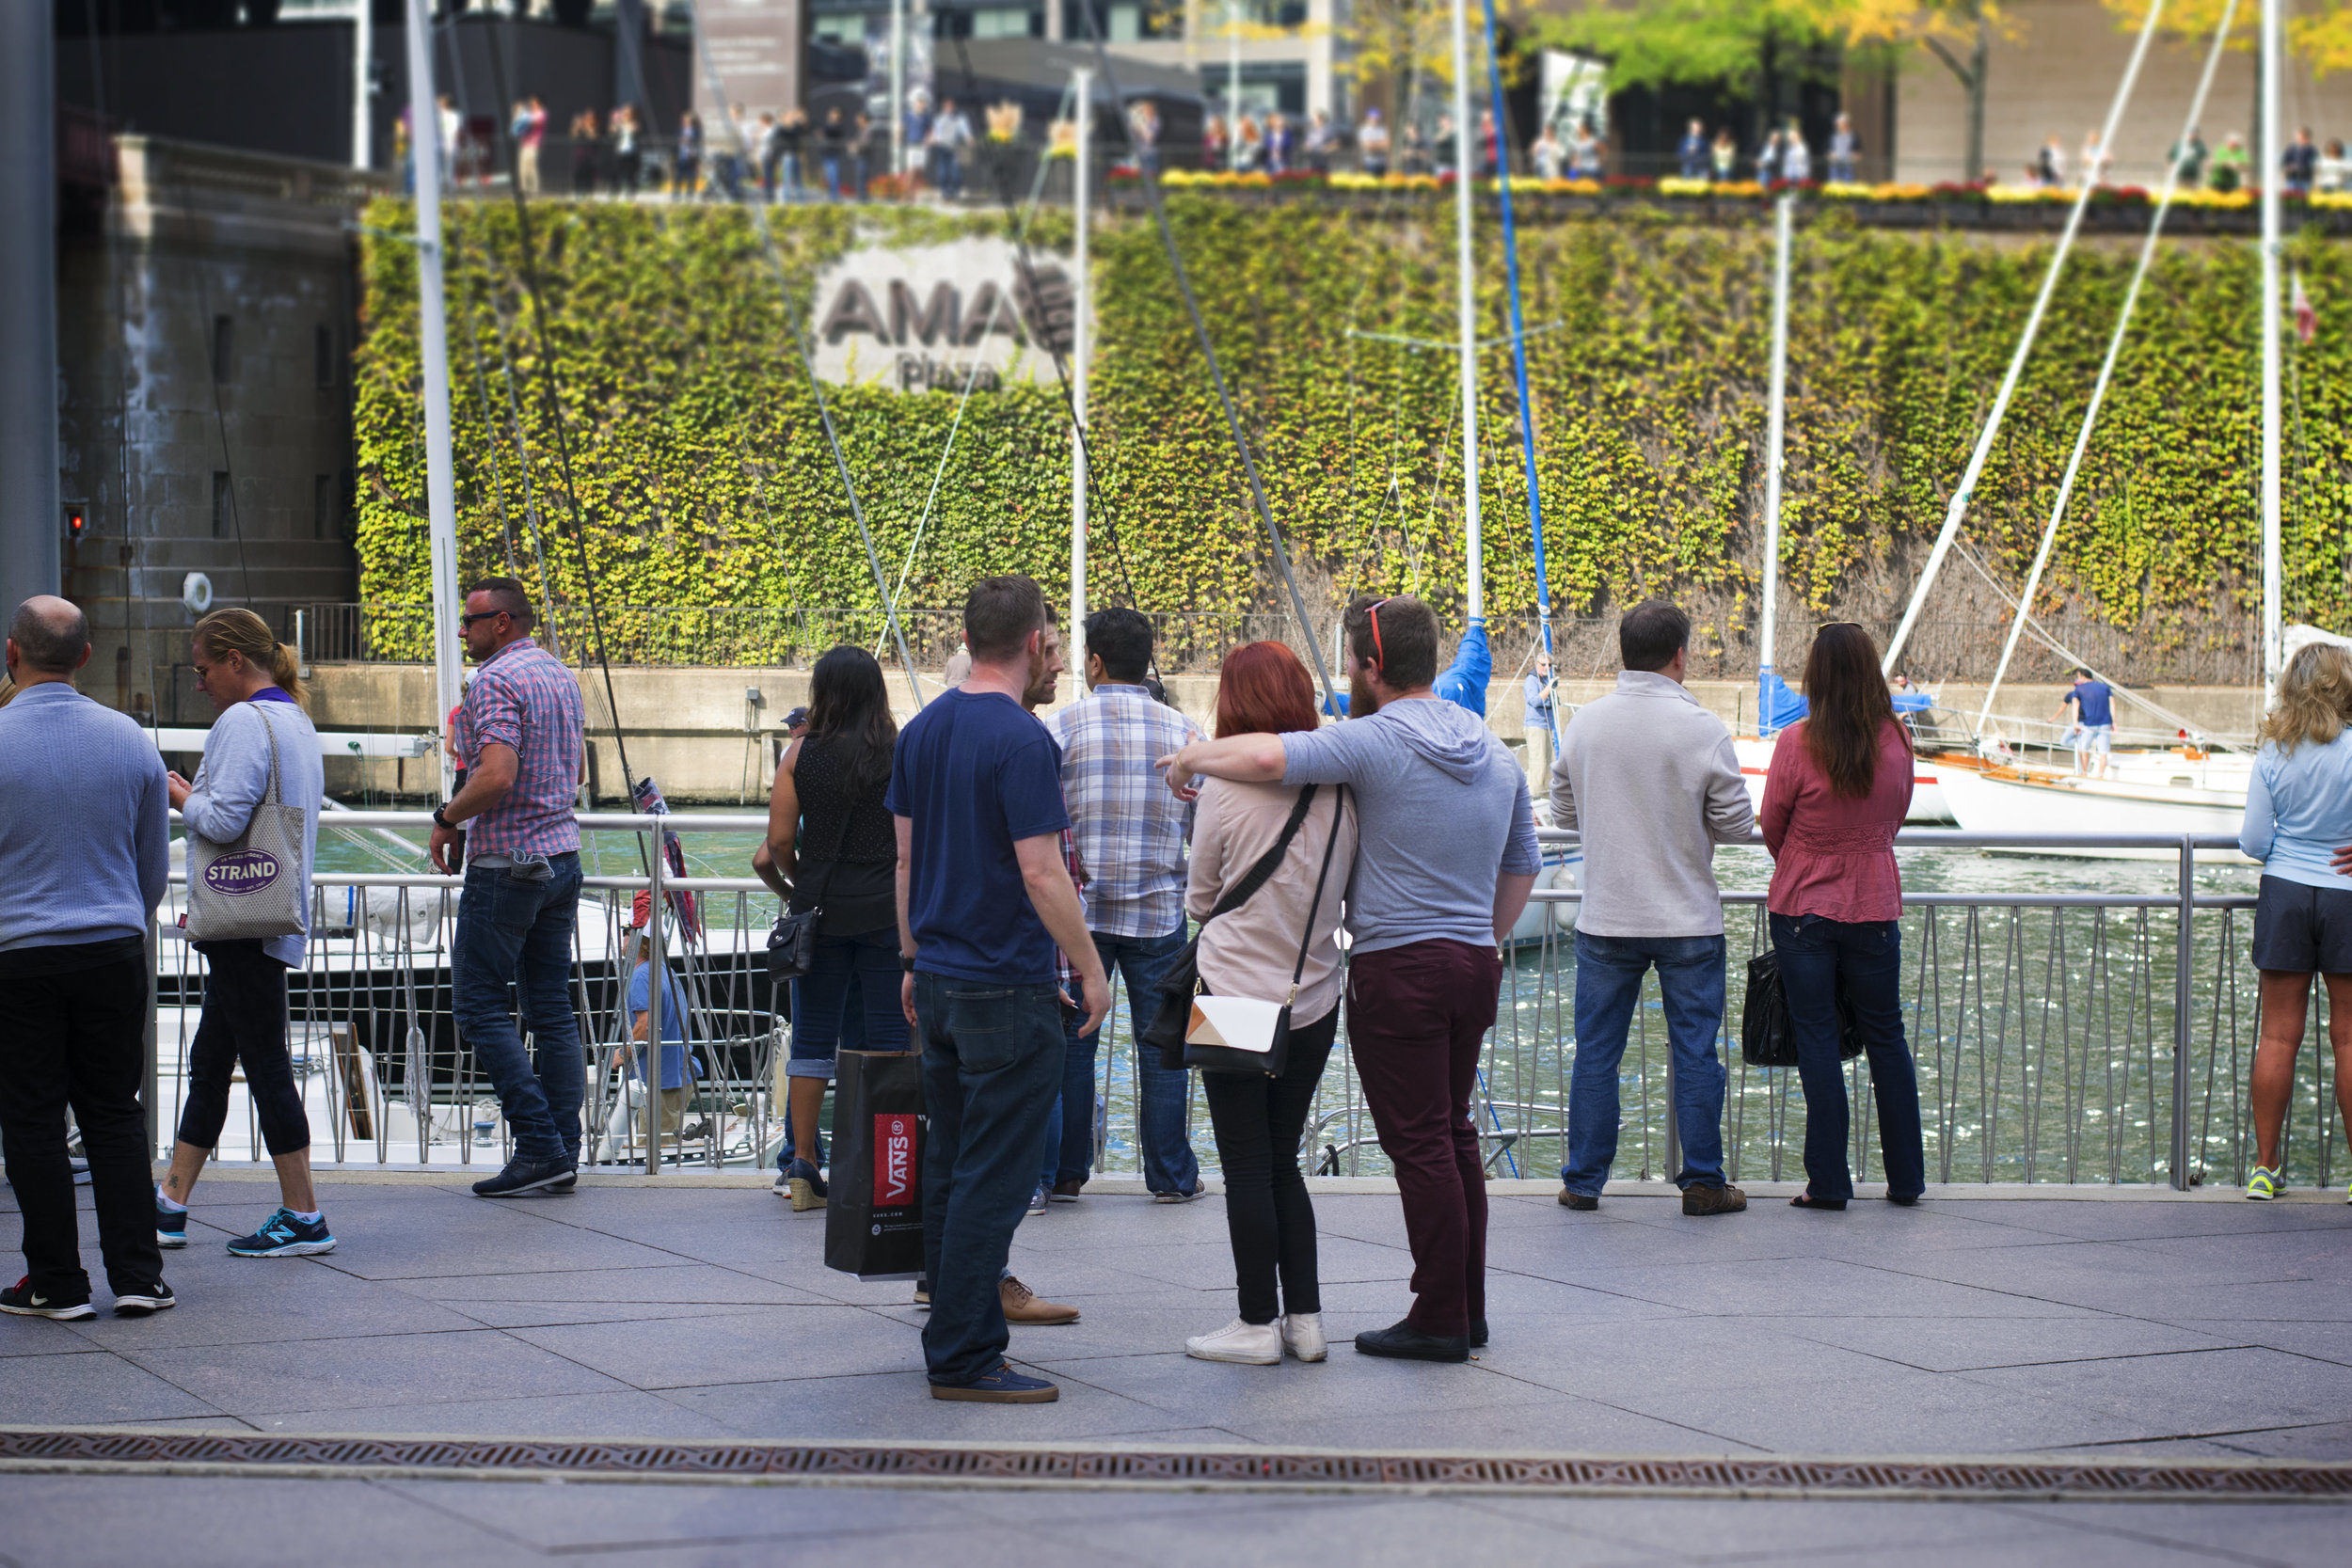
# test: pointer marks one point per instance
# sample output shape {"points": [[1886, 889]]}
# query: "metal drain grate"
{"points": [[101, 1449]]}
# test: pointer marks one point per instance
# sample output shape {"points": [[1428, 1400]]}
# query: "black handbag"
{"points": [[1212, 1057], [792, 945], [1171, 1012], [1768, 1035]]}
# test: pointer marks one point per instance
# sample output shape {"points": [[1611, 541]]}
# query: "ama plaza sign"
{"points": [[930, 317]]}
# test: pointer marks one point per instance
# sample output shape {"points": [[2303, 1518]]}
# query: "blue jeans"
{"points": [[1819, 960], [1169, 1162], [1609, 975], [514, 941], [991, 1057]]}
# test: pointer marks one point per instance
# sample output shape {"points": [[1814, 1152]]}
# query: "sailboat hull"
{"points": [[2010, 800], [1927, 804]]}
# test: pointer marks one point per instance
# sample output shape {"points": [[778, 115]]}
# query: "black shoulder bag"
{"points": [[1215, 1045], [792, 946], [1767, 1035], [1171, 1015]]}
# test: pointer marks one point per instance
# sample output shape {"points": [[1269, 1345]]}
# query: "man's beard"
{"points": [[1040, 687], [1361, 703]]}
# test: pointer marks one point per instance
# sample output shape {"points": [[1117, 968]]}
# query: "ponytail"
{"points": [[244, 633]]}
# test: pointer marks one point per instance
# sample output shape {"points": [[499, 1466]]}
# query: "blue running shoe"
{"points": [[171, 1230], [283, 1236]]}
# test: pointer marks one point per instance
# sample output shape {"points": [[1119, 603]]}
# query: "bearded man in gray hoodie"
{"points": [[1446, 859]]}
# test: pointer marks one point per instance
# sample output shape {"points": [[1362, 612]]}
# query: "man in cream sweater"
{"points": [[1649, 778]]}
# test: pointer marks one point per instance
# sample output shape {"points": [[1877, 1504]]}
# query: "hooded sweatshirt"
{"points": [[1442, 811]]}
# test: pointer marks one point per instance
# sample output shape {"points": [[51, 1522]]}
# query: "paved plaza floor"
{"points": [[2204, 1329]]}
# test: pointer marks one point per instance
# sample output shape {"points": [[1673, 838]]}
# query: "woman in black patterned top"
{"points": [[833, 846]]}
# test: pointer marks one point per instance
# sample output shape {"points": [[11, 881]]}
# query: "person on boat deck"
{"points": [[1536, 715], [2090, 706], [1447, 860], [678, 1067], [1647, 777], [2299, 811]]}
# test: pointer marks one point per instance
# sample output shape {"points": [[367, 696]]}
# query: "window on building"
{"points": [[322, 355], [321, 505], [1123, 20], [990, 22], [224, 505], [223, 349]]}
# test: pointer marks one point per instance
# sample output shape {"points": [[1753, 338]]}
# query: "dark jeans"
{"points": [[1818, 959], [514, 941], [80, 1039], [1609, 975], [1268, 1213], [244, 1021], [1416, 1016], [1169, 1164], [864, 967], [991, 1057]]}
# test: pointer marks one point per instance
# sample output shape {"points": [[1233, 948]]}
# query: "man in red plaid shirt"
{"points": [[524, 728]]}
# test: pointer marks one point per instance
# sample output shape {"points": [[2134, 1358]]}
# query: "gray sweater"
{"points": [[1649, 779], [235, 774], [1442, 811], [85, 840]]}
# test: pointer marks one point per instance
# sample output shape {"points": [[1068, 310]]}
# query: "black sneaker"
{"points": [[24, 1302], [144, 1303], [524, 1176], [1402, 1341]]}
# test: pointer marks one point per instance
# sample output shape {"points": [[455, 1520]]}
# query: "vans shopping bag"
{"points": [[874, 1217], [251, 886]]}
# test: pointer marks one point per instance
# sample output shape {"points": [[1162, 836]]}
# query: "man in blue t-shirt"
{"points": [[984, 899], [2089, 706]]}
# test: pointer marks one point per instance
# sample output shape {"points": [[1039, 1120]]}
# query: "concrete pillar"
{"points": [[31, 558]]}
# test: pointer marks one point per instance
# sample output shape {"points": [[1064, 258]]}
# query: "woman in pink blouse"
{"points": [[1839, 784]]}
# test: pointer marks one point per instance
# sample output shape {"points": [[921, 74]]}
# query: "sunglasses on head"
{"points": [[1379, 655]]}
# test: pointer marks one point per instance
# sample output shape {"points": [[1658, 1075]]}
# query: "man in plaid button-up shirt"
{"points": [[521, 742], [1130, 835]]}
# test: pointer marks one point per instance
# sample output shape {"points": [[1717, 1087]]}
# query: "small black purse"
{"points": [[1768, 1035], [792, 945], [1205, 1037], [1171, 1015]]}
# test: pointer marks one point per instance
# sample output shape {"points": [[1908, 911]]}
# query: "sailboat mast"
{"points": [[440, 489], [1465, 311], [1082, 93], [1783, 220], [2274, 67]]}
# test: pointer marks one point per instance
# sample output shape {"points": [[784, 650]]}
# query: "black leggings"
{"points": [[244, 1019], [1258, 1121]]}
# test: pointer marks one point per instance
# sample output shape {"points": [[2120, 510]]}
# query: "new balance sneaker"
{"points": [[524, 1175], [171, 1230], [284, 1236], [2264, 1184], [146, 1302], [1247, 1343], [23, 1300]]}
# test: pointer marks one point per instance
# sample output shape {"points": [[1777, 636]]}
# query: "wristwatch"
{"points": [[443, 822]]}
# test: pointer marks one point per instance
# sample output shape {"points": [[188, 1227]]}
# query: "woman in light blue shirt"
{"points": [[2298, 813]]}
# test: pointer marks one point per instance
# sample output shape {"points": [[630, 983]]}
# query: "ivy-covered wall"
{"points": [[702, 478]]}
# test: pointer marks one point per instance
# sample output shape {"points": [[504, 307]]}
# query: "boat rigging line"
{"points": [[808, 365], [1154, 198], [1965, 491], [2114, 351]]}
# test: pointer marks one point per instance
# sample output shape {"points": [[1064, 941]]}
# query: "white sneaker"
{"points": [[1252, 1344], [1302, 1335]]}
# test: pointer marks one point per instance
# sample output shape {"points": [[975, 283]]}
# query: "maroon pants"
{"points": [[1416, 1017]]}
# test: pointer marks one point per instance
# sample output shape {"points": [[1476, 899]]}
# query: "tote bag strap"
{"points": [[1305, 939], [269, 797]]}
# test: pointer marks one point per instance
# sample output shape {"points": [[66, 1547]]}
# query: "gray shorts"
{"points": [[2301, 929]]}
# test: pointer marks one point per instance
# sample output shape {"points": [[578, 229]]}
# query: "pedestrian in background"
{"points": [[984, 898], [629, 155], [260, 744], [85, 853], [2299, 825], [1447, 857], [1836, 793], [1722, 155], [1796, 157], [1648, 778], [686, 166], [834, 850], [1536, 715], [2087, 711], [2298, 165], [1691, 152], [1845, 153], [583, 139], [1253, 950], [950, 133], [521, 904], [1130, 836], [1372, 144], [530, 130]]}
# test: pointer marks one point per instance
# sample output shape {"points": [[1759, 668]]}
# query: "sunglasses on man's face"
{"points": [[465, 622]]}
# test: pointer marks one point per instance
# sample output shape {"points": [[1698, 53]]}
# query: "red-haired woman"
{"points": [[1839, 784], [1251, 951]]}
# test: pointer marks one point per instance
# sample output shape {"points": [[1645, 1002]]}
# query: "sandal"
{"points": [[1807, 1200]]}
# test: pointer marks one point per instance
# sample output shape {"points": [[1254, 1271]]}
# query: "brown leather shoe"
{"points": [[1584, 1201], [1025, 1305], [1726, 1199], [1066, 1191]]}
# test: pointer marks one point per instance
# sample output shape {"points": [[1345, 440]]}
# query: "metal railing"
{"points": [[2077, 1036]]}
